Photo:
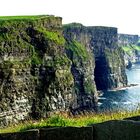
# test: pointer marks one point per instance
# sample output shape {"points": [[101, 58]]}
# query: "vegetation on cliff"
{"points": [[34, 67], [78, 50], [131, 49]]}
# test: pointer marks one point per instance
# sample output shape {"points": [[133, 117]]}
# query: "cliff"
{"points": [[82, 67], [49, 68], [127, 39], [131, 46], [103, 51], [35, 75]]}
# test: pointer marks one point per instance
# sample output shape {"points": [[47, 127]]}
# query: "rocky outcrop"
{"points": [[79, 52], [35, 75], [131, 46], [105, 55]]}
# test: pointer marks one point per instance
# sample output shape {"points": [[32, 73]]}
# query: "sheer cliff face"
{"points": [[35, 74], [109, 60], [107, 57], [83, 64]]}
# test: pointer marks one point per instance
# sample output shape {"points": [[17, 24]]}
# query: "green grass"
{"points": [[127, 48], [31, 17], [78, 50], [131, 48], [64, 120], [136, 47], [52, 35]]}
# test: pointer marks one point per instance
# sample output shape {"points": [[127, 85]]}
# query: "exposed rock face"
{"points": [[109, 63], [78, 50], [35, 74], [126, 39], [101, 44], [131, 47]]}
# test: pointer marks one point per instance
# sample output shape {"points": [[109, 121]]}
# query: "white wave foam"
{"points": [[102, 98], [127, 103], [99, 103]]}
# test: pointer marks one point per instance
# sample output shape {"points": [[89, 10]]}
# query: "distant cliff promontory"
{"points": [[131, 46]]}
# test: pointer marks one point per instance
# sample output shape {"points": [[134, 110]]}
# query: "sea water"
{"points": [[125, 99]]}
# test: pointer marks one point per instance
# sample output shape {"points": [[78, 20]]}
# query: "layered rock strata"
{"points": [[35, 74], [103, 52]]}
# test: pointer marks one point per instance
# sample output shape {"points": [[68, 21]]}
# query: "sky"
{"points": [[123, 14]]}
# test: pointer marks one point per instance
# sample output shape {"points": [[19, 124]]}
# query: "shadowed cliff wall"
{"points": [[105, 55]]}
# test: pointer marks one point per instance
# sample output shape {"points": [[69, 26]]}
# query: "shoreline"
{"points": [[123, 88], [100, 92]]}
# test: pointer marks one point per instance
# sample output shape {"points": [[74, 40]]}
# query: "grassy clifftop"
{"points": [[130, 49], [23, 17], [30, 17]]}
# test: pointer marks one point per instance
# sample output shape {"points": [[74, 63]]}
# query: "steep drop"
{"points": [[107, 57]]}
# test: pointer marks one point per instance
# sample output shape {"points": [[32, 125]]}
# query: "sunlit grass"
{"points": [[30, 17], [63, 120], [136, 47], [127, 48], [130, 49]]}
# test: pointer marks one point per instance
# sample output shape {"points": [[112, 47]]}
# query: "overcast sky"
{"points": [[124, 14]]}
